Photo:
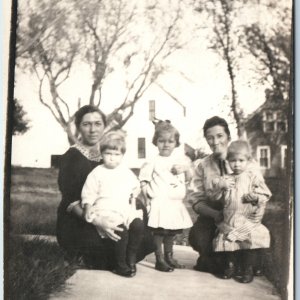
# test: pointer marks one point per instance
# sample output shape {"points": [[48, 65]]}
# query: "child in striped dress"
{"points": [[244, 194]]}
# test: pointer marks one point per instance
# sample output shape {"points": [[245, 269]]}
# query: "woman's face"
{"points": [[217, 139], [91, 128]]}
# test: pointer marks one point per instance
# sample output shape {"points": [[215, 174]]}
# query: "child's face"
{"points": [[238, 163], [112, 158], [166, 143]]}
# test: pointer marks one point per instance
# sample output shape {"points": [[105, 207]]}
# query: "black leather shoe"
{"points": [[123, 272], [258, 272], [161, 264], [132, 268], [248, 275], [238, 274], [173, 262], [229, 271]]}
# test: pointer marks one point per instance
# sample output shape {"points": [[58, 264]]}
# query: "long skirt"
{"points": [[201, 240]]}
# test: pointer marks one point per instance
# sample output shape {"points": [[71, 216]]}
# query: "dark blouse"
{"points": [[73, 172], [74, 234]]}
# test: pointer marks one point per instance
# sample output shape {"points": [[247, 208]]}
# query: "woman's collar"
{"points": [[218, 157], [90, 154]]}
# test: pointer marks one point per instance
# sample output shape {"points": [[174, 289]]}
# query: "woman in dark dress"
{"points": [[74, 234]]}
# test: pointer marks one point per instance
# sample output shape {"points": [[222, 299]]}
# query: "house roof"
{"points": [[271, 103]]}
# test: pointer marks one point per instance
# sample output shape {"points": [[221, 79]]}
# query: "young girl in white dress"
{"points": [[245, 194], [163, 182]]}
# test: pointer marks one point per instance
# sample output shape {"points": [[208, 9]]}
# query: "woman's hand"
{"points": [[108, 226]]}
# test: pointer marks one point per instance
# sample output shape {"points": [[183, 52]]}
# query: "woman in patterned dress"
{"points": [[204, 202]]}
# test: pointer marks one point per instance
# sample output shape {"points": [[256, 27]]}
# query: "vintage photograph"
{"points": [[149, 150]]}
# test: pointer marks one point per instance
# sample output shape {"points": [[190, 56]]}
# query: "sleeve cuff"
{"points": [[71, 205]]}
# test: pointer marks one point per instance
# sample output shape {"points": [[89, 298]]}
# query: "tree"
{"points": [[110, 36], [224, 41], [272, 50], [20, 123], [46, 48], [236, 35]]}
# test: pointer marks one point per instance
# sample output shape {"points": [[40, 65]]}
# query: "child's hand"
{"points": [[226, 183], [148, 208], [250, 198], [178, 169]]}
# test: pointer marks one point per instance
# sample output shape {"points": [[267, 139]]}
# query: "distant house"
{"points": [[140, 129], [267, 131]]}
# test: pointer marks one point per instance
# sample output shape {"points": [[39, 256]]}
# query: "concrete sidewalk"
{"points": [[150, 284]]}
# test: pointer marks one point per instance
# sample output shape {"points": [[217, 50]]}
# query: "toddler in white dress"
{"points": [[163, 182], [110, 190]]}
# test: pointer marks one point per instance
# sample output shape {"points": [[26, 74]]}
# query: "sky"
{"points": [[203, 95]]}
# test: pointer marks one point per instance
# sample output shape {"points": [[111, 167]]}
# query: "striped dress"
{"points": [[241, 227]]}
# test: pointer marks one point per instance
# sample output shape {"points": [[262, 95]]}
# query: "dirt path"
{"points": [[150, 284]]}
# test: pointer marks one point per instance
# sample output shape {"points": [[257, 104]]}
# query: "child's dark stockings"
{"points": [[127, 247]]}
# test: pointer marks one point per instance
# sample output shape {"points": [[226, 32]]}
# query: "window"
{"points": [[283, 156], [269, 126], [269, 116], [141, 148], [264, 156], [151, 110], [281, 126], [280, 115], [274, 121]]}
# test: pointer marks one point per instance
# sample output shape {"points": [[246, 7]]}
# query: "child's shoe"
{"points": [[229, 271], [123, 270], [258, 272], [161, 264], [173, 262], [132, 268], [248, 275], [131, 262], [238, 274]]}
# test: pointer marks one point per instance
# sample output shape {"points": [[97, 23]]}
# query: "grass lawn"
{"points": [[34, 200], [36, 269]]}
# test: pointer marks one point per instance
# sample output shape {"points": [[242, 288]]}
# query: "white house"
{"points": [[140, 129]]}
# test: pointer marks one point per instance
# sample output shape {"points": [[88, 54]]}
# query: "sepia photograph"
{"points": [[149, 150]]}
